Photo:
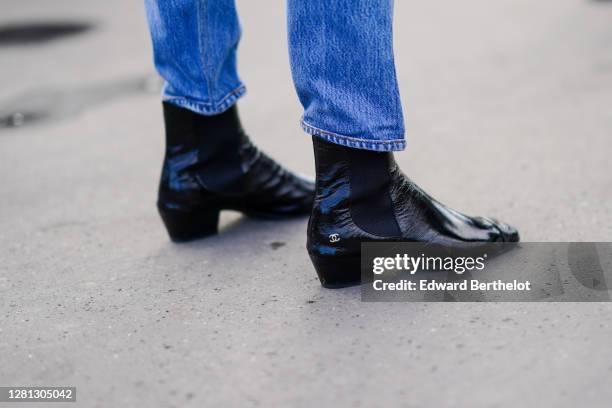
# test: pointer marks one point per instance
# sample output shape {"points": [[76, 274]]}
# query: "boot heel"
{"points": [[337, 272], [187, 225]]}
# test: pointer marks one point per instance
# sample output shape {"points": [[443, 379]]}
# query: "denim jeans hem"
{"points": [[207, 108], [357, 143]]}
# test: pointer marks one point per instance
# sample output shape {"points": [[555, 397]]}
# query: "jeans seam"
{"points": [[203, 50], [359, 143]]}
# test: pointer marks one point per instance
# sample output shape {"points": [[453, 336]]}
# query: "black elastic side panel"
{"points": [[180, 136], [371, 204], [220, 138]]}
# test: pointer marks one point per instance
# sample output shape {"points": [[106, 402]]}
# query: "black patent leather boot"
{"points": [[363, 196], [211, 165]]}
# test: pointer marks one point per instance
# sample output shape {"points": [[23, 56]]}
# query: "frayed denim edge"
{"points": [[206, 108], [365, 144]]}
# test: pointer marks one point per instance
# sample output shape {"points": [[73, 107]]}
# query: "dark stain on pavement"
{"points": [[62, 102], [276, 245], [40, 32]]}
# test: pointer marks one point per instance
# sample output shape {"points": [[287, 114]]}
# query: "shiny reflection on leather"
{"points": [[211, 165], [364, 196]]}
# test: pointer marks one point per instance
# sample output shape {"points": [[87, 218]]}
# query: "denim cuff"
{"points": [[356, 143], [206, 108]]}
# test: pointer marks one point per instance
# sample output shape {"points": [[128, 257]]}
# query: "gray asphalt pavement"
{"points": [[507, 106]]}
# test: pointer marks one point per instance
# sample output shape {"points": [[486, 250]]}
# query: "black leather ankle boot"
{"points": [[363, 196], [211, 165]]}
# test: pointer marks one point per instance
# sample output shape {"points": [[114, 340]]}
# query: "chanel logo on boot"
{"points": [[334, 238]]}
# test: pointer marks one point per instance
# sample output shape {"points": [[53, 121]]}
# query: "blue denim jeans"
{"points": [[341, 55]]}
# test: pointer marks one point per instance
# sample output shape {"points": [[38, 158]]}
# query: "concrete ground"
{"points": [[508, 114]]}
